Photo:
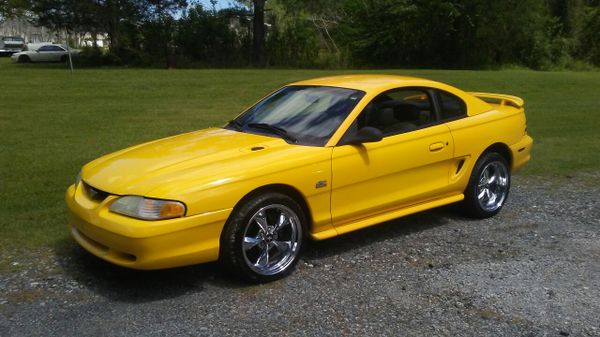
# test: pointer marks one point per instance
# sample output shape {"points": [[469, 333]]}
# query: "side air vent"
{"points": [[460, 165]]}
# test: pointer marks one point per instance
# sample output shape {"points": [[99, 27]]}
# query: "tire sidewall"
{"points": [[472, 206], [231, 252]]}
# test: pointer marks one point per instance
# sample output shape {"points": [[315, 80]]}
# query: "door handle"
{"points": [[436, 146]]}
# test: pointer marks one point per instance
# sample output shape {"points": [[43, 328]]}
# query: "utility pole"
{"points": [[258, 45]]}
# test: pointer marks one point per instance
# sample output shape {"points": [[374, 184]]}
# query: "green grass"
{"points": [[52, 122]]}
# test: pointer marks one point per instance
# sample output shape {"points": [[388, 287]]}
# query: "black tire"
{"points": [[24, 59], [479, 202], [64, 59], [242, 226]]}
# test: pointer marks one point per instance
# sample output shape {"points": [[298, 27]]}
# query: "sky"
{"points": [[220, 3]]}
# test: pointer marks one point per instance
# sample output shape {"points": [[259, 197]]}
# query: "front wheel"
{"points": [[488, 186], [24, 59], [263, 238]]}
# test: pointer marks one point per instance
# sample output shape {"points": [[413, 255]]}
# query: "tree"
{"points": [[66, 15], [12, 8], [588, 43], [120, 19], [159, 26], [205, 38]]}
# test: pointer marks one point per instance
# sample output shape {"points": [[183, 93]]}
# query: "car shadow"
{"points": [[44, 65], [134, 286], [384, 231]]}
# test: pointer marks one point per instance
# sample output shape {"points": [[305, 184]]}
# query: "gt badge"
{"points": [[321, 183]]}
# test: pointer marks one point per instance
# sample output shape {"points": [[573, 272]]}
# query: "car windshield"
{"points": [[306, 115]]}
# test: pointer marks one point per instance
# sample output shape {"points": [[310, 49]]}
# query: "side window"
{"points": [[398, 111], [44, 48], [451, 107]]}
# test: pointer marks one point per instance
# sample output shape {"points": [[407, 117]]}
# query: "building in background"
{"points": [[34, 34]]}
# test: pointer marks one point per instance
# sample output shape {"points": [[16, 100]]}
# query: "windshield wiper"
{"points": [[274, 129], [236, 124]]}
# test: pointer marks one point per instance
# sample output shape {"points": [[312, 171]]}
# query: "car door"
{"points": [[48, 53], [42, 54], [409, 165], [56, 54]]}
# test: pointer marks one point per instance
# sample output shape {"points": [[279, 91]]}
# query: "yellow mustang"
{"points": [[315, 159]]}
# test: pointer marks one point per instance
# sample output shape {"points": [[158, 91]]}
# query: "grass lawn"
{"points": [[52, 122]]}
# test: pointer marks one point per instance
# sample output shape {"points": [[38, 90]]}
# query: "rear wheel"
{"points": [[64, 59], [24, 59], [488, 186], [263, 238]]}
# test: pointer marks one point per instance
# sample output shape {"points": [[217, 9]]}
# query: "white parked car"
{"points": [[46, 53]]}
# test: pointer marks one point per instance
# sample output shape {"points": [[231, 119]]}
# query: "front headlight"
{"points": [[147, 209]]}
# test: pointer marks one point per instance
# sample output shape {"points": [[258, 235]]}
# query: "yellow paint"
{"points": [[211, 170]]}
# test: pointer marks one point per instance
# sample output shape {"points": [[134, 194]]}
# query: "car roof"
{"points": [[369, 82]]}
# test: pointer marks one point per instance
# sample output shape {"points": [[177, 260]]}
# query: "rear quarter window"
{"points": [[451, 107]]}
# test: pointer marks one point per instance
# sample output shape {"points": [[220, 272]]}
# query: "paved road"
{"points": [[533, 270]]}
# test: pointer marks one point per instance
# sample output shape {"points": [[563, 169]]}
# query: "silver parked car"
{"points": [[11, 44], [45, 53]]}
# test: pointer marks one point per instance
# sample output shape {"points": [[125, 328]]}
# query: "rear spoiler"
{"points": [[501, 99]]}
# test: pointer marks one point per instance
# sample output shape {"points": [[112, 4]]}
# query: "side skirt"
{"points": [[394, 214]]}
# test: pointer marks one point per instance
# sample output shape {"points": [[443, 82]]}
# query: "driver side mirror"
{"points": [[367, 134]]}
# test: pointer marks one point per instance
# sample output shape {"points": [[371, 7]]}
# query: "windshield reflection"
{"points": [[308, 114]]}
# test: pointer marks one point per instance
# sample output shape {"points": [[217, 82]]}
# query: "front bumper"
{"points": [[10, 50], [141, 244]]}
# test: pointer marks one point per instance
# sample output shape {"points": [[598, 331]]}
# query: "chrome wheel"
{"points": [[493, 186], [272, 239]]}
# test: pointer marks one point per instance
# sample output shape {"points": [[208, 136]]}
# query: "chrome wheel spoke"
{"points": [[263, 259], [261, 220], [251, 242], [282, 246], [482, 181], [281, 222], [491, 199], [485, 176]]}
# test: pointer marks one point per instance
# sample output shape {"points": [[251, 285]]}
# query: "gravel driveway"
{"points": [[534, 270]]}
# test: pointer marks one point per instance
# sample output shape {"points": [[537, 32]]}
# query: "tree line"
{"points": [[539, 34]]}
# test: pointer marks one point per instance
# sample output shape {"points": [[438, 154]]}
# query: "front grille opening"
{"points": [[94, 193], [124, 256], [93, 242]]}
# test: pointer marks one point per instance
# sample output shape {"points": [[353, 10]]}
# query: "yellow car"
{"points": [[313, 160]]}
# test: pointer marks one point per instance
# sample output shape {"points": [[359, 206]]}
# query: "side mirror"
{"points": [[367, 134]]}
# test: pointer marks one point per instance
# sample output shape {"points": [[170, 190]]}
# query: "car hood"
{"points": [[204, 157]]}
